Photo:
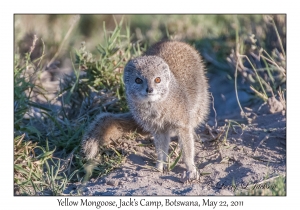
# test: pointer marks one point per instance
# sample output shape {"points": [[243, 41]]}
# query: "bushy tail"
{"points": [[107, 127]]}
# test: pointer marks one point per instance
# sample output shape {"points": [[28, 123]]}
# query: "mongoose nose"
{"points": [[149, 90]]}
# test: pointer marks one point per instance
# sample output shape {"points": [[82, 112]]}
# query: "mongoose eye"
{"points": [[157, 80], [138, 81]]}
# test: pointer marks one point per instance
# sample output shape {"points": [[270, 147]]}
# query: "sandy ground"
{"points": [[253, 151], [249, 156]]}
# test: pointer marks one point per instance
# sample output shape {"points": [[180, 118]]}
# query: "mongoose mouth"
{"points": [[150, 96]]}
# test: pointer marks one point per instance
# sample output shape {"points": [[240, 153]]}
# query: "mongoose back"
{"points": [[166, 91]]}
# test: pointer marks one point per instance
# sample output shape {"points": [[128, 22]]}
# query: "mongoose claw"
{"points": [[189, 176]]}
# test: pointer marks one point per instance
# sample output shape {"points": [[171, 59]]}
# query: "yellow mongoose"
{"points": [[166, 91]]}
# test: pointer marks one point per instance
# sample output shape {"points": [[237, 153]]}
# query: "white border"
{"points": [[8, 8]]}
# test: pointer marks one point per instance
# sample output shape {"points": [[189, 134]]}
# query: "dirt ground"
{"points": [[252, 153]]}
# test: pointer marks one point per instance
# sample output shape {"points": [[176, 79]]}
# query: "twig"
{"points": [[279, 39], [259, 94], [261, 142], [213, 106], [209, 131], [212, 135], [235, 85], [254, 69], [282, 70]]}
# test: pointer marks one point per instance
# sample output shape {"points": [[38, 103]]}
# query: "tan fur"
{"points": [[105, 128], [178, 103]]}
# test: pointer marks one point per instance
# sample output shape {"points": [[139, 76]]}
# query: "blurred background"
{"points": [[212, 33], [217, 37]]}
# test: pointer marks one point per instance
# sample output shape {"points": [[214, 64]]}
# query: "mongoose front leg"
{"points": [[186, 140], [161, 141]]}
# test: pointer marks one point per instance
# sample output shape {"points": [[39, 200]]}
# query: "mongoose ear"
{"points": [[129, 68], [166, 70], [131, 64]]}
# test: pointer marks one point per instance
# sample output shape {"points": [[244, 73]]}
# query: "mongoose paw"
{"points": [[190, 176], [161, 167]]}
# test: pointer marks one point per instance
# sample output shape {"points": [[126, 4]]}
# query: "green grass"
{"points": [[47, 146], [47, 134]]}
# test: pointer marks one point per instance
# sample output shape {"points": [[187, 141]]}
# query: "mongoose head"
{"points": [[147, 78]]}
